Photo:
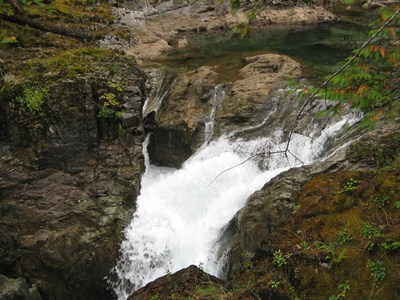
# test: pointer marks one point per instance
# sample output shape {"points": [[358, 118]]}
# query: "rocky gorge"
{"points": [[73, 119]]}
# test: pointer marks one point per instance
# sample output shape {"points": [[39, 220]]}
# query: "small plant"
{"points": [[33, 98], [296, 208], [327, 246], [109, 105], [109, 99], [378, 270], [370, 231], [274, 284], [121, 130], [330, 247], [305, 245], [343, 237], [116, 86], [280, 259], [341, 257], [390, 246], [379, 201], [397, 204], [106, 112], [9, 40], [350, 185], [344, 288]]}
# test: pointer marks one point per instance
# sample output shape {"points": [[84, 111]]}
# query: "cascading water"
{"points": [[180, 215], [216, 99]]}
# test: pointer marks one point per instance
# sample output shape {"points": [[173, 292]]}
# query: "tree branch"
{"points": [[312, 98], [49, 27]]}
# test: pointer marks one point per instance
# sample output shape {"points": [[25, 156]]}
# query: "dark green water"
{"points": [[318, 48]]}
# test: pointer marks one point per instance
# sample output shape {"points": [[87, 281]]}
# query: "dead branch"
{"points": [[53, 28]]}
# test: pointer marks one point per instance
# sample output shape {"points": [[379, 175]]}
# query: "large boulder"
{"points": [[249, 99], [70, 168], [181, 118], [186, 282]]}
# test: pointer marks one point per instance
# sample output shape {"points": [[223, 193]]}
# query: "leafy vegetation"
{"points": [[33, 97], [280, 259], [343, 236], [343, 288], [379, 201], [370, 231], [350, 185], [378, 270], [369, 82]]}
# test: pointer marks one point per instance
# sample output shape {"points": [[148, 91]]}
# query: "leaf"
{"points": [[361, 89], [382, 51]]}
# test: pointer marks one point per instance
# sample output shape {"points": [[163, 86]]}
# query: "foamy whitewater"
{"points": [[180, 215]]}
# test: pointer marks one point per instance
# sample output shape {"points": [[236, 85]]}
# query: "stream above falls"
{"points": [[317, 47]]}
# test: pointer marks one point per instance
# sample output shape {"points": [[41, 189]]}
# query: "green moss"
{"points": [[348, 234], [68, 64]]}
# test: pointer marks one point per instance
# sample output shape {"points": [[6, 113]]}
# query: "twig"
{"points": [[312, 98], [243, 162]]}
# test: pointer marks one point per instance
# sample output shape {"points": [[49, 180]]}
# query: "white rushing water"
{"points": [[180, 215]]}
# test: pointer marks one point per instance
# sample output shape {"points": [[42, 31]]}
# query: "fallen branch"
{"points": [[49, 27]]}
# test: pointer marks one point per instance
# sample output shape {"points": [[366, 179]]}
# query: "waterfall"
{"points": [[180, 214], [216, 99]]}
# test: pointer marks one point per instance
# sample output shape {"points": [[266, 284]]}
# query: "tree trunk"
{"points": [[49, 27]]}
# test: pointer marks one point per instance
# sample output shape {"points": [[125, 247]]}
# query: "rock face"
{"points": [[17, 289], [194, 100], [181, 118], [268, 209], [69, 172], [180, 284], [249, 99]]}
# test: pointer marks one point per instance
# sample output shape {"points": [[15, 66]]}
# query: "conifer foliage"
{"points": [[371, 81]]}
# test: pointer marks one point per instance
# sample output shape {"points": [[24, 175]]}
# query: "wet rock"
{"points": [[249, 99], [12, 289], [68, 177], [17, 289], [181, 117], [180, 284], [149, 122]]}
